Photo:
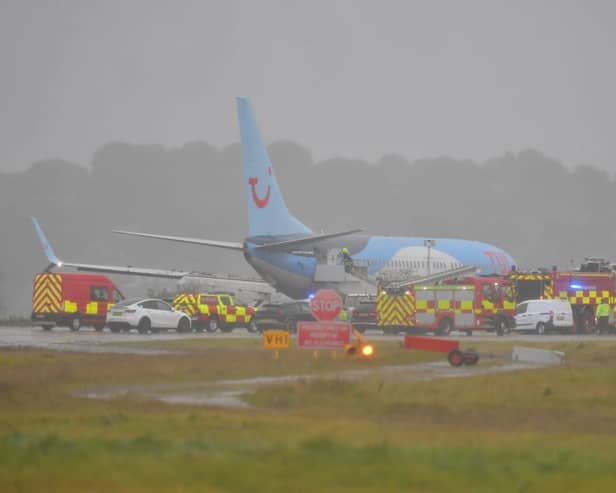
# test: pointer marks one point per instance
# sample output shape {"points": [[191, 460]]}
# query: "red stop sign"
{"points": [[326, 304]]}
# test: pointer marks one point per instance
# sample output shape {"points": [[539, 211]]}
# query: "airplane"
{"points": [[295, 261]]}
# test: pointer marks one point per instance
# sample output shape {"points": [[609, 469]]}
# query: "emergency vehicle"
{"points": [[468, 304], [213, 311], [72, 299], [583, 290]]}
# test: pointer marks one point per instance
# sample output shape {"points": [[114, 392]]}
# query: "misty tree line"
{"points": [[541, 212]]}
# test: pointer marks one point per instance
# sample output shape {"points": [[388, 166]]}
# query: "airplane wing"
{"points": [[129, 269], [232, 245], [255, 283], [306, 240]]}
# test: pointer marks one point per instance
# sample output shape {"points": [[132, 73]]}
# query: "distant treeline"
{"points": [[543, 213]]}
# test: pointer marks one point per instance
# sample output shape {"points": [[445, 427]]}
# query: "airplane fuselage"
{"points": [[288, 255], [293, 271]]}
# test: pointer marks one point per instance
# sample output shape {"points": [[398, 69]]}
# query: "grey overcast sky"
{"points": [[360, 79]]}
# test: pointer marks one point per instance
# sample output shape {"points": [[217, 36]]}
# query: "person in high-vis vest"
{"points": [[603, 316], [347, 260]]}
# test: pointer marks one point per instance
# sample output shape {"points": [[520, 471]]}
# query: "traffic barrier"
{"points": [[431, 344], [455, 356]]}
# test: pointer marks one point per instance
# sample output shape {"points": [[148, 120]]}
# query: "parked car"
{"points": [[542, 316], [280, 316], [146, 315], [363, 316]]}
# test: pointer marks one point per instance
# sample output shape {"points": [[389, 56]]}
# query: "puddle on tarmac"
{"points": [[199, 397], [225, 393]]}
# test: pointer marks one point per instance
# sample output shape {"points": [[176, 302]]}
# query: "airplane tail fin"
{"points": [[267, 212], [51, 255]]}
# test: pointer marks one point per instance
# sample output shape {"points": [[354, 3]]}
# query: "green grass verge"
{"points": [[551, 429]]}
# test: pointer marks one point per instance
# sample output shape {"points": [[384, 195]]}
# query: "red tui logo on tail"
{"points": [[259, 202]]}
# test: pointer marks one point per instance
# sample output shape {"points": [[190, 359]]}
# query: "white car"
{"points": [[145, 315], [542, 316]]}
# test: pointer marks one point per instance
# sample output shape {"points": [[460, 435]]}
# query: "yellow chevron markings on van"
{"points": [[47, 293]]}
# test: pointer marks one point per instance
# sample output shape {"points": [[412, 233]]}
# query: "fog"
{"points": [[359, 79], [541, 212], [479, 120]]}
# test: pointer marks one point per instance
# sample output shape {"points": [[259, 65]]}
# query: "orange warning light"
{"points": [[367, 351]]}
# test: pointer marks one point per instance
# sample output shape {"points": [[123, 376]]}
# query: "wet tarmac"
{"points": [[89, 340]]}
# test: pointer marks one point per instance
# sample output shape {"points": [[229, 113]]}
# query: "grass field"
{"points": [[551, 429]]}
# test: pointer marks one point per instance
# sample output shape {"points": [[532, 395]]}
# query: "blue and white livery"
{"points": [[294, 260]]}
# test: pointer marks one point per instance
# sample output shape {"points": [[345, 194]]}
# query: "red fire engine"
{"points": [[584, 290], [470, 303], [72, 299]]}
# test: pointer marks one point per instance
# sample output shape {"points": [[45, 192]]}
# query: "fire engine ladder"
{"points": [[439, 276], [361, 272]]}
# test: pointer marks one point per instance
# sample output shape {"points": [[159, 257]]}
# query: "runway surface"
{"points": [[88, 340]]}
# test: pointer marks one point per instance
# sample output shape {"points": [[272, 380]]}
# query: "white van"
{"points": [[542, 316]]}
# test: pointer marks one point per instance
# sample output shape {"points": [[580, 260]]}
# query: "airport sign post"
{"points": [[323, 335], [275, 339], [326, 305]]}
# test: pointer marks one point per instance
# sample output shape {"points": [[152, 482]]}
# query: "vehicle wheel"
{"points": [[225, 327], [541, 328], [470, 357], [99, 327], [252, 326], [445, 327], [455, 357], [144, 325], [212, 324], [47, 327], [75, 324], [184, 325]]}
